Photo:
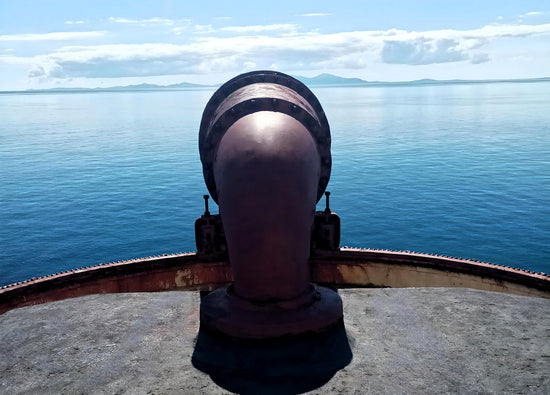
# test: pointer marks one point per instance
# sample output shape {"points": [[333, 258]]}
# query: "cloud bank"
{"points": [[265, 46], [422, 51]]}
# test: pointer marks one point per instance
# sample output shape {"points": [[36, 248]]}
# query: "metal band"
{"points": [[262, 91]]}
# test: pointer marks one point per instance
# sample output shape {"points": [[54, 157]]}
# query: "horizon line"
{"points": [[357, 82]]}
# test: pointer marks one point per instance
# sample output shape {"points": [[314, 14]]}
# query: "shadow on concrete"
{"points": [[280, 366]]}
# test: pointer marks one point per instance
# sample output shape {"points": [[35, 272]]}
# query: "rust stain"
{"points": [[353, 274], [185, 278], [351, 267]]}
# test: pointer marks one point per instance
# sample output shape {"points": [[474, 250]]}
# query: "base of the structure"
{"points": [[225, 312]]}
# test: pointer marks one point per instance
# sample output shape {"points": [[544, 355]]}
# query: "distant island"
{"points": [[140, 87], [333, 80], [322, 80]]}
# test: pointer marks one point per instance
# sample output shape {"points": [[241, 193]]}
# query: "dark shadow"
{"points": [[275, 366]]}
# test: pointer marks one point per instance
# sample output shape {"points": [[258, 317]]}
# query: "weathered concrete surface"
{"points": [[423, 340]]}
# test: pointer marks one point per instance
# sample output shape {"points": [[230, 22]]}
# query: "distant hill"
{"points": [[456, 82], [139, 87], [153, 87], [322, 80], [333, 80], [329, 79]]}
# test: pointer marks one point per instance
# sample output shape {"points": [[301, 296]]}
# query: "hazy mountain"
{"points": [[139, 87], [329, 79], [317, 81]]}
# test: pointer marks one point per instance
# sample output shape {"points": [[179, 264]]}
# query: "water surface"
{"points": [[460, 170]]}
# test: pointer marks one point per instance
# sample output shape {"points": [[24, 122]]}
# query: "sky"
{"points": [[97, 43]]}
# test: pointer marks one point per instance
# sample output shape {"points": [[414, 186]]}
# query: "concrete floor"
{"points": [[417, 340]]}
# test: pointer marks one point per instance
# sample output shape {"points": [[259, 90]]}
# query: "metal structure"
{"points": [[264, 143]]}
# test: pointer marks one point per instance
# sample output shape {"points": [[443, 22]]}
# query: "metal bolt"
{"points": [[206, 212], [327, 208]]}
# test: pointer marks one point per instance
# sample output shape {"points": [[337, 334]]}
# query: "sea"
{"points": [[454, 169]]}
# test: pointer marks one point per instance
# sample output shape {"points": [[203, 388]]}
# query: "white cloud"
{"points": [[479, 58], [532, 13], [74, 22], [500, 31], [442, 46], [122, 60], [37, 71], [52, 36], [179, 30], [204, 29], [148, 21], [296, 50], [422, 51]]}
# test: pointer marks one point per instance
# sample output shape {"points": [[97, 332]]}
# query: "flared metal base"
{"points": [[223, 311]]}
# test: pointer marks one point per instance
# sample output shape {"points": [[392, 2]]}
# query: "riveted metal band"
{"points": [[262, 91]]}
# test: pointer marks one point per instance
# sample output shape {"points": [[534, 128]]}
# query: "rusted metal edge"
{"points": [[186, 271], [347, 267], [355, 267]]}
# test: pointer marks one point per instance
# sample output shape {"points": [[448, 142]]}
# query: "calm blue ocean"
{"points": [[460, 170]]}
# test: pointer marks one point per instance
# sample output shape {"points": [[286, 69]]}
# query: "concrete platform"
{"points": [[419, 340]]}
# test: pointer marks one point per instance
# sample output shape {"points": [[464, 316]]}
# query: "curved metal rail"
{"points": [[346, 267]]}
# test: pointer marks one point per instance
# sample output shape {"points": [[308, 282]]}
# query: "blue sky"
{"points": [[105, 43]]}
